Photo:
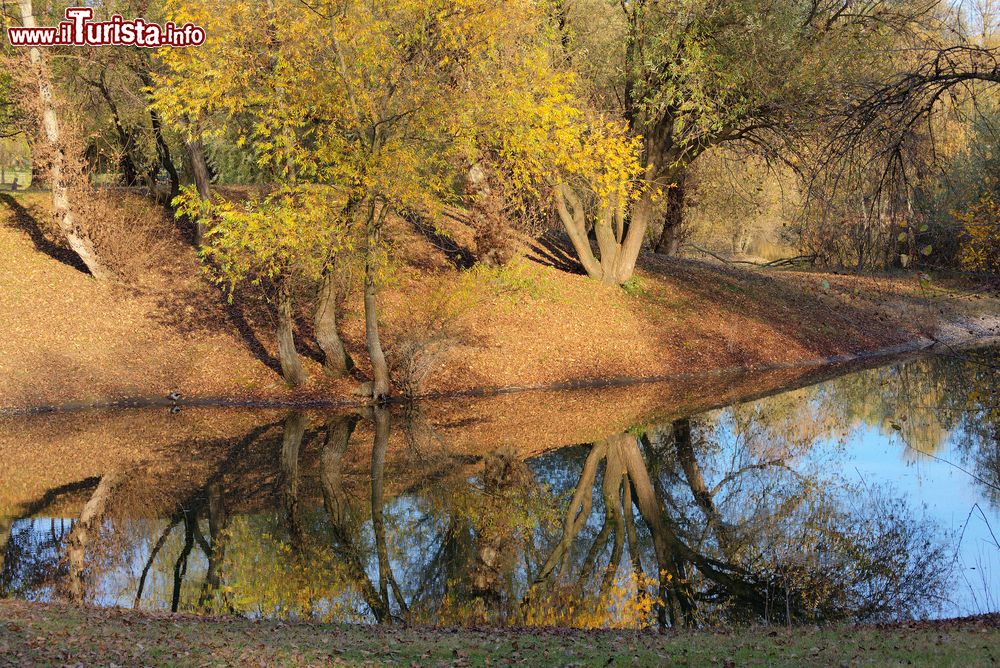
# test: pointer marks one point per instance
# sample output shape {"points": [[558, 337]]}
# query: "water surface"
{"points": [[869, 496]]}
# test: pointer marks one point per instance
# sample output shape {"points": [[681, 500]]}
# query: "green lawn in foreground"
{"points": [[42, 635]]}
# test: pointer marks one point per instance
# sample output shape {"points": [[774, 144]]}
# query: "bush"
{"points": [[131, 233], [981, 236], [430, 332]]}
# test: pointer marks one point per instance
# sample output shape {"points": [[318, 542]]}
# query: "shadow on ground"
{"points": [[24, 221]]}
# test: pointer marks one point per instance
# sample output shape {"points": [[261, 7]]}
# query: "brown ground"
{"points": [[67, 339]]}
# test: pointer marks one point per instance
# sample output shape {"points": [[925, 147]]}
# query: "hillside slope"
{"points": [[163, 327]]}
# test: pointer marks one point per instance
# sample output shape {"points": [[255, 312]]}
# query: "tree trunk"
{"points": [[618, 243], [202, 179], [676, 600], [381, 418], [338, 437], [126, 140], [291, 365], [696, 483], [58, 172], [573, 217], [575, 518], [673, 218], [160, 542], [336, 361], [337, 504], [83, 530], [386, 579], [166, 160], [162, 148], [218, 522], [181, 565], [291, 442], [380, 369]]}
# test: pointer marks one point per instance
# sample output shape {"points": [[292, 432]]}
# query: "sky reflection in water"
{"points": [[870, 496]]}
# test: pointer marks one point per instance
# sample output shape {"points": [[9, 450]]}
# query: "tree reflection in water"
{"points": [[726, 517]]}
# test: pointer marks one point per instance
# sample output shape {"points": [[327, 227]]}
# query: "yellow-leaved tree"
{"points": [[589, 165], [387, 104]]}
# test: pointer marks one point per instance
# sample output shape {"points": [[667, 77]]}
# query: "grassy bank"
{"points": [[52, 635], [162, 327]]}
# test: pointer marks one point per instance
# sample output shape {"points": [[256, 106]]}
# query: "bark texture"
{"points": [[202, 179], [162, 148], [618, 240], [218, 522], [291, 443], [336, 361], [126, 136], [386, 579], [669, 240], [291, 365], [380, 368], [83, 531], [59, 178], [343, 522]]}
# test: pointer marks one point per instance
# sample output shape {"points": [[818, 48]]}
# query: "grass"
{"points": [[44, 635]]}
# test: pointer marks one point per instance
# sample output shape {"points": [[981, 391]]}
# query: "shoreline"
{"points": [[842, 362]]}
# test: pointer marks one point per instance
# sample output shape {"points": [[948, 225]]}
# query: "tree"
{"points": [[384, 103], [8, 107], [58, 153], [687, 76], [85, 531], [756, 541], [534, 126], [284, 239], [119, 80]]}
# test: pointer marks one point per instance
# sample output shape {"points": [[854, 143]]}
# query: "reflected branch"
{"points": [[152, 557]]}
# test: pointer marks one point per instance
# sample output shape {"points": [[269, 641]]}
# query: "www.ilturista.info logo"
{"points": [[79, 30]]}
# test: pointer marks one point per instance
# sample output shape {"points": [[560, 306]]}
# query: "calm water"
{"points": [[867, 497]]}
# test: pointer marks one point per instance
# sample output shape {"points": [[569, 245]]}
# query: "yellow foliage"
{"points": [[265, 576], [628, 603], [390, 101], [980, 249], [293, 231]]}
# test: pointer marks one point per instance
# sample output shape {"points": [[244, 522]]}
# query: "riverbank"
{"points": [[56, 635], [163, 328]]}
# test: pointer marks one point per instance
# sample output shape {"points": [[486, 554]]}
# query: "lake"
{"points": [[789, 496]]}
